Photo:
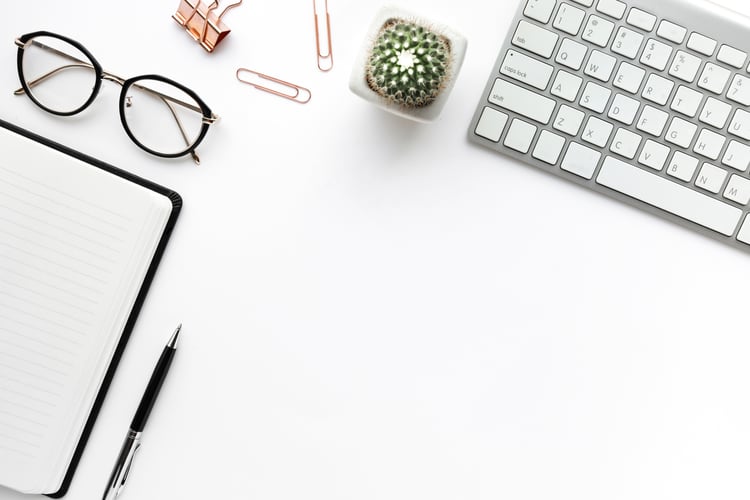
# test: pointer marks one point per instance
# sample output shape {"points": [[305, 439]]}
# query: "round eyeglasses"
{"points": [[160, 115]]}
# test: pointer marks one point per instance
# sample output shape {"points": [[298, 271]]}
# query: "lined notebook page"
{"points": [[75, 245]]}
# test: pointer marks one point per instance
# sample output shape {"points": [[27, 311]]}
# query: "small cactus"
{"points": [[408, 64]]}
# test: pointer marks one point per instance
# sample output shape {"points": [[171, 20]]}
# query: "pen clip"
{"points": [[128, 465], [122, 467]]}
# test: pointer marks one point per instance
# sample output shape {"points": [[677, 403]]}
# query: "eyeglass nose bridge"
{"points": [[113, 78]]}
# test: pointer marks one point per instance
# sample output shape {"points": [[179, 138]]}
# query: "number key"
{"points": [[569, 19], [714, 78], [598, 31], [656, 54], [685, 66], [739, 91], [627, 43]]}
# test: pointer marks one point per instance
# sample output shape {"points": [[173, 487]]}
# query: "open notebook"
{"points": [[79, 243]]}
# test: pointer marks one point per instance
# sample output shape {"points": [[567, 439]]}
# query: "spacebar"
{"points": [[670, 196]]}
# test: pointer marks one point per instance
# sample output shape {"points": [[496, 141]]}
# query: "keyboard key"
{"points": [[585, 3], [580, 160], [600, 66], [715, 113], [669, 196], [629, 77], [613, 8], [686, 101], [657, 89], [597, 132], [731, 56], [595, 97], [535, 39], [654, 155], [671, 32], [566, 86], [739, 90], [491, 124], [714, 78], [524, 102], [656, 55], [539, 10], [744, 233], [571, 54], [520, 136], [702, 44], [641, 19], [682, 166], [738, 190], [598, 31], [627, 43], [711, 178], [681, 132], [548, 147], [569, 120], [709, 144], [685, 66], [526, 69], [569, 19], [625, 143], [624, 109], [737, 156], [740, 125], [652, 121]]}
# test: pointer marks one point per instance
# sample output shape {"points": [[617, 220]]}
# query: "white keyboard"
{"points": [[645, 101]]}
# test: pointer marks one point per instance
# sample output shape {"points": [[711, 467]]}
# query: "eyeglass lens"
{"points": [[60, 77], [161, 116]]}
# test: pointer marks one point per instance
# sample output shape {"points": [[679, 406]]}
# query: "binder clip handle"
{"points": [[202, 23]]}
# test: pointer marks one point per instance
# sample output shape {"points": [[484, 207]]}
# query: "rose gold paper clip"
{"points": [[286, 90], [325, 56], [202, 23]]}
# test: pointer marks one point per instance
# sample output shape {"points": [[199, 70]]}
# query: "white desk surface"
{"points": [[375, 309]]}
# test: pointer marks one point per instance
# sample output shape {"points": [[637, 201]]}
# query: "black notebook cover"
{"points": [[176, 207]]}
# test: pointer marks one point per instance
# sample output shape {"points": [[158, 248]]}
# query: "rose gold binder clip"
{"points": [[325, 54], [283, 89], [202, 23]]}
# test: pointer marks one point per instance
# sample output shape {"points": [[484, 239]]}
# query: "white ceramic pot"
{"points": [[407, 64]]}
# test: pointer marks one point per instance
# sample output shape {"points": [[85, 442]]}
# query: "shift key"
{"points": [[522, 101], [535, 39]]}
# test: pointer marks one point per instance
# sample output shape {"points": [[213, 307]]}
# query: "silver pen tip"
{"points": [[172, 344]]}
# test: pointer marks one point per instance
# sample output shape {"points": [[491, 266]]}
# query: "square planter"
{"points": [[408, 64]]}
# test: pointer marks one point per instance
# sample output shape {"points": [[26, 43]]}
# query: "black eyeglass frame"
{"points": [[208, 116]]}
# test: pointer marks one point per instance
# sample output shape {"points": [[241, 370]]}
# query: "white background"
{"points": [[377, 309]]}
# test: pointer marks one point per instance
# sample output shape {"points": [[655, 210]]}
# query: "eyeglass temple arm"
{"points": [[60, 53], [48, 75], [185, 138], [108, 76]]}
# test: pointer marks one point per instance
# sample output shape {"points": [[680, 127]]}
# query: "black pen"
{"points": [[133, 439]]}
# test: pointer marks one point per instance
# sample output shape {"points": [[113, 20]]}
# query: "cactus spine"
{"points": [[408, 63]]}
